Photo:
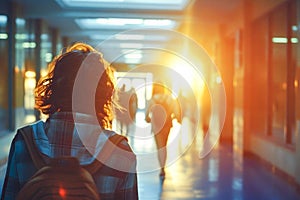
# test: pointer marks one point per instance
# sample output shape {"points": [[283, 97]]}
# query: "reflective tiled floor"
{"points": [[218, 176], [223, 174]]}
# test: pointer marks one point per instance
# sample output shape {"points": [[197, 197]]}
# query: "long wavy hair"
{"points": [[53, 92]]}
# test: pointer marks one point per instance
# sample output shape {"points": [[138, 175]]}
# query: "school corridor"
{"points": [[233, 65]]}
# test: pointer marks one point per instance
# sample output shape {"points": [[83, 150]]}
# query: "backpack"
{"points": [[62, 177]]}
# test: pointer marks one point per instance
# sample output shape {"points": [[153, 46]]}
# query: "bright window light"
{"points": [[295, 28], [44, 36], [3, 20], [30, 74], [48, 57], [20, 22]]}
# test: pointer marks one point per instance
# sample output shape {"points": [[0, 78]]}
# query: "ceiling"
{"points": [[125, 26]]}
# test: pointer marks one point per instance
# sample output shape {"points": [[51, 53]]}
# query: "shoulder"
{"points": [[122, 157], [30, 127], [20, 158], [18, 141], [119, 140]]}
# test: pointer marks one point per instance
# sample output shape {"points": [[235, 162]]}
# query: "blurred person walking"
{"points": [[126, 114], [161, 110]]}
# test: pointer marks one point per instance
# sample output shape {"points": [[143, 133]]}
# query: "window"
{"points": [[275, 75], [4, 73], [260, 92], [278, 71]]}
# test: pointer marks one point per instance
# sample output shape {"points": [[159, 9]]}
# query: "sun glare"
{"points": [[193, 81]]}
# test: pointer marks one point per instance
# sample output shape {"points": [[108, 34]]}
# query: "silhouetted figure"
{"points": [[205, 109], [126, 114], [122, 113], [161, 110], [133, 103]]}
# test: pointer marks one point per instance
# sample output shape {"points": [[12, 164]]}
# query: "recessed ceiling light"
{"points": [[133, 55], [126, 4], [124, 23], [131, 45], [129, 37]]}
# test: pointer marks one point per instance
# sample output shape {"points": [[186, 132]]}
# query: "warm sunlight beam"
{"points": [[194, 82]]}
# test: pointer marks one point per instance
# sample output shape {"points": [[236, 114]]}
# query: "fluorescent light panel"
{"points": [[116, 21], [279, 40], [294, 40], [97, 23], [126, 4], [284, 40], [131, 45], [130, 51], [29, 45], [133, 56], [132, 60], [99, 36], [129, 37], [3, 36]]}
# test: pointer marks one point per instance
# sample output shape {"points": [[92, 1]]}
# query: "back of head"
{"points": [[54, 91]]}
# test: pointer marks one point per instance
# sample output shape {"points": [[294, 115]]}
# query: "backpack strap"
{"points": [[34, 152], [105, 153]]}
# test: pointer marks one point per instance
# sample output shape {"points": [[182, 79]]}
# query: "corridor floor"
{"points": [[218, 176]]}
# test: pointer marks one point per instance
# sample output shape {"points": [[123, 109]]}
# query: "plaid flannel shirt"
{"points": [[58, 136]]}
